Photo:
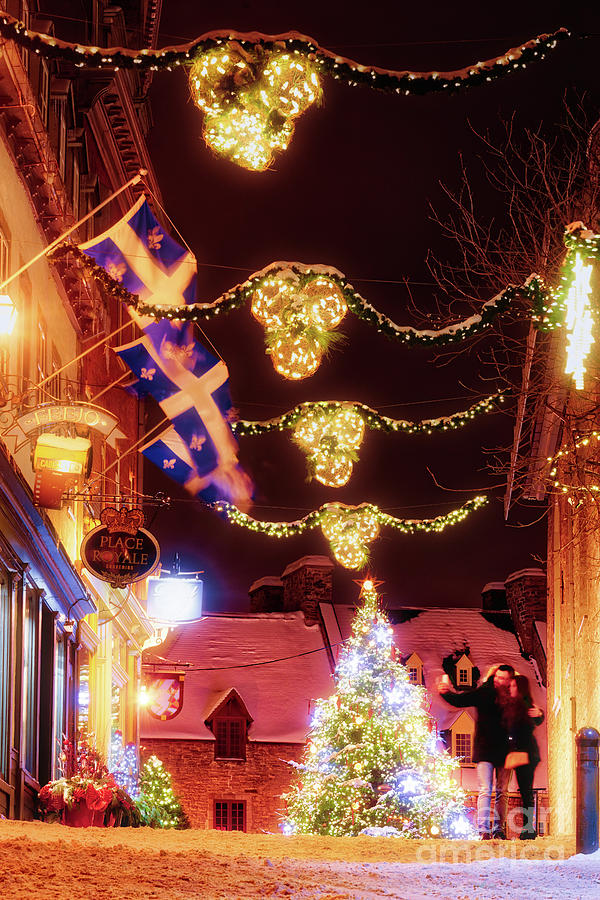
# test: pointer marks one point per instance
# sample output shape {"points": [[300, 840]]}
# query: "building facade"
{"points": [[70, 646]]}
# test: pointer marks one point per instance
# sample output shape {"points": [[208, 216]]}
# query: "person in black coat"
{"points": [[490, 745], [521, 716]]}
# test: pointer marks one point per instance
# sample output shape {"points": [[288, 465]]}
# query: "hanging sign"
{"points": [[174, 601], [165, 696], [120, 551]]}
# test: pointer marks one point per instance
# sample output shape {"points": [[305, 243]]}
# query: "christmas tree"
{"points": [[157, 803], [372, 759]]}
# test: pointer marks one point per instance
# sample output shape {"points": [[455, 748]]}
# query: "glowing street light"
{"points": [[8, 314]]}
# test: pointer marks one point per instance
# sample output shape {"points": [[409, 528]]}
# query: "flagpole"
{"points": [[135, 180]]}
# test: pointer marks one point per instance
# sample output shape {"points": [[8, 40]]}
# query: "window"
{"points": [[30, 682], [230, 815], [413, 674], [463, 676], [230, 737], [44, 91], [463, 747], [5, 662], [60, 675]]}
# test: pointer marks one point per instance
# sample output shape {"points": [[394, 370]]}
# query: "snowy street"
{"points": [[55, 862]]}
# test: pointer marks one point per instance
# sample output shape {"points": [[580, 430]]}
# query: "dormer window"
{"points": [[462, 732], [229, 722], [414, 666], [464, 672]]}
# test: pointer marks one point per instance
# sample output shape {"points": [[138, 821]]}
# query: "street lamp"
{"points": [[8, 314]]}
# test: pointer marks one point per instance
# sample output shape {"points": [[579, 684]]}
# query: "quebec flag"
{"points": [[187, 381]]}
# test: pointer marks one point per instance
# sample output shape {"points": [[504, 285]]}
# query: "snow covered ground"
{"points": [[59, 863]]}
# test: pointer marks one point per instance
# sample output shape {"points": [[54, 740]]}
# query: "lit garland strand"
{"points": [[349, 529], [328, 62], [584, 441], [330, 432], [373, 763], [579, 321], [299, 304], [569, 304]]}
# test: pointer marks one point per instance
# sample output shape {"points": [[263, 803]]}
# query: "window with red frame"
{"points": [[230, 815]]}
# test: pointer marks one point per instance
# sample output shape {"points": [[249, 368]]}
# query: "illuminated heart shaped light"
{"points": [[330, 437], [350, 530], [298, 319], [251, 98]]}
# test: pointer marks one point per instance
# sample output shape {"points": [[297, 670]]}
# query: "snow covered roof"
{"points": [[523, 572], [267, 581], [319, 561], [276, 695], [436, 633]]}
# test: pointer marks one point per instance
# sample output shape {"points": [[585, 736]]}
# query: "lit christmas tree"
{"points": [[372, 760], [123, 764], [157, 803]]}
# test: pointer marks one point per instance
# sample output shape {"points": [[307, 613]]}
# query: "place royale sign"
{"points": [[120, 551]]}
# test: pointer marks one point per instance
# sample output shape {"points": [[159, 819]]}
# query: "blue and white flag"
{"points": [[189, 383]]}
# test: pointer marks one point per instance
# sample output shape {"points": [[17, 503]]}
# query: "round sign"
{"points": [[119, 556]]}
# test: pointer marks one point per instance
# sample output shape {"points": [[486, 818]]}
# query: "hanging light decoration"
{"points": [[330, 437], [251, 99], [350, 530], [579, 320], [298, 319], [217, 75]]}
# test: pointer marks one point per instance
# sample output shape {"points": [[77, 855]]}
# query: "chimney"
{"points": [[493, 596], [306, 583], [526, 598], [266, 595]]}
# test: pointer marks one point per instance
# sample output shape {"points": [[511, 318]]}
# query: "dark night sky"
{"points": [[353, 191]]}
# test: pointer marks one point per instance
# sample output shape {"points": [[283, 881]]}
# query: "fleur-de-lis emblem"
{"points": [[155, 237], [184, 355], [197, 442], [168, 463], [148, 374], [116, 270]]}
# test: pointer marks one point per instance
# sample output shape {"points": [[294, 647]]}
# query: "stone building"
{"points": [[228, 747]]}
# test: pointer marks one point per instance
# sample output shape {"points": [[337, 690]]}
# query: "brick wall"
{"points": [[526, 598], [199, 779], [306, 583]]}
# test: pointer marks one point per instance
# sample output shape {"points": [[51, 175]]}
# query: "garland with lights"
{"points": [[299, 305], [252, 87], [373, 763], [328, 62], [349, 529], [569, 305], [330, 432]]}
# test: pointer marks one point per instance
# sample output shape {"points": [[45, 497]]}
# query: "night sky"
{"points": [[353, 191]]}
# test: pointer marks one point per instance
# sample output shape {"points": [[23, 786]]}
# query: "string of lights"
{"points": [[327, 61], [330, 432], [299, 305], [349, 529]]}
